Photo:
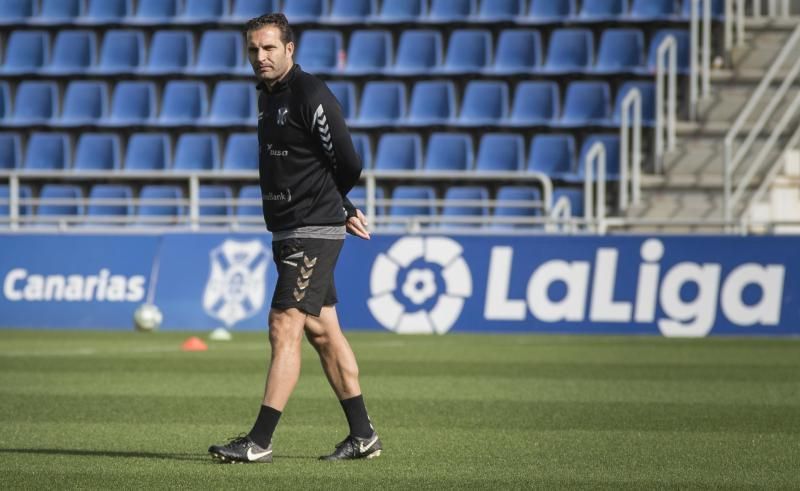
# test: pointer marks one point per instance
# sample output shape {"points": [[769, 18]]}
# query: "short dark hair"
{"points": [[278, 20]]}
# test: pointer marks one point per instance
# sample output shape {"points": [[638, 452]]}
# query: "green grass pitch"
{"points": [[129, 410]]}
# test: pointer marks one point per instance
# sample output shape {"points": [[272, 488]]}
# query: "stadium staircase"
{"points": [[688, 195]]}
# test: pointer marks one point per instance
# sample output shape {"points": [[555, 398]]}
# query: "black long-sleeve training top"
{"points": [[307, 163]]}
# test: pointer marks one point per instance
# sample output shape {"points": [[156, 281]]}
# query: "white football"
{"points": [[147, 317]]}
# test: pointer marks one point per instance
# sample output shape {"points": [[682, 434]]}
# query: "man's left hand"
{"points": [[357, 225]]}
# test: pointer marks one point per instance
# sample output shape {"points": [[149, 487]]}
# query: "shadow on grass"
{"points": [[73, 452]]}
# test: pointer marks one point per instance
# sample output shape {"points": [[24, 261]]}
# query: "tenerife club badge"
{"points": [[237, 281]]}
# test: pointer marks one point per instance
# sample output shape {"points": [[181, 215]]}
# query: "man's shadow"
{"points": [[127, 454]]}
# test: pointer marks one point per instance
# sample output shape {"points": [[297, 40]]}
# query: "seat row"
{"points": [[158, 204], [419, 51], [338, 11], [381, 103], [559, 155]]}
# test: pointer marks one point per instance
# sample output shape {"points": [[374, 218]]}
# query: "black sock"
{"points": [[356, 413], [265, 425]]}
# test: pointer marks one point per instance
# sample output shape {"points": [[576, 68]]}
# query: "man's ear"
{"points": [[290, 49]]}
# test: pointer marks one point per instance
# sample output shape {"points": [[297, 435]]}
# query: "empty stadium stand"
{"points": [[508, 94]]}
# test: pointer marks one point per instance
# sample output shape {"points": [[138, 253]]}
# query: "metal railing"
{"points": [[193, 220], [630, 165], [733, 192], [669, 48], [699, 73], [595, 155]]}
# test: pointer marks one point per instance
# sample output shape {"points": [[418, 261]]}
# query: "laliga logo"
{"points": [[419, 285], [237, 281]]}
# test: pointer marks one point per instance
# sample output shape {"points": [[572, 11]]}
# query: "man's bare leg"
{"points": [[335, 354], [339, 364], [285, 336]]}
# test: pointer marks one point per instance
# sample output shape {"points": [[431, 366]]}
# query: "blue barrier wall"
{"points": [[669, 285]]}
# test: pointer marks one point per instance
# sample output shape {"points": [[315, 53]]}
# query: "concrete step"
{"points": [[701, 158]]}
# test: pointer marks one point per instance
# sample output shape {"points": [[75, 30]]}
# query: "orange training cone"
{"points": [[194, 344]]}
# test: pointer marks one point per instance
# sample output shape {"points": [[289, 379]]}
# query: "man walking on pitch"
{"points": [[307, 165]]}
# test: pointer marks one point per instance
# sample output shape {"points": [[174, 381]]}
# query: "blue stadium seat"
{"points": [[648, 93], [23, 206], [408, 209], [305, 10], [60, 11], [500, 152], [363, 148], [233, 103], [345, 93], [382, 103], [468, 50], [484, 102], [717, 9], [553, 154], [573, 195], [497, 10], [48, 151], [586, 103], [148, 152], [621, 50], [249, 209], [5, 101], [369, 51], [603, 10], [133, 103], [318, 51], [183, 102], [160, 205], [109, 204], [26, 51], [418, 51], [550, 11], [97, 152], [611, 142], [244, 10], [10, 151], [220, 52], [154, 11], [35, 102], [105, 11], [170, 51], [432, 102], [518, 51], [654, 10], [352, 10], [196, 11], [457, 205], [74, 52], [570, 50], [216, 204], [13, 11], [449, 152], [682, 38], [358, 196], [59, 202], [399, 152], [85, 102], [452, 10], [536, 102], [197, 151], [122, 52], [516, 202], [241, 152], [403, 11]]}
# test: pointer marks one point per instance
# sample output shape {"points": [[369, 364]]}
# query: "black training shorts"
{"points": [[305, 273]]}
